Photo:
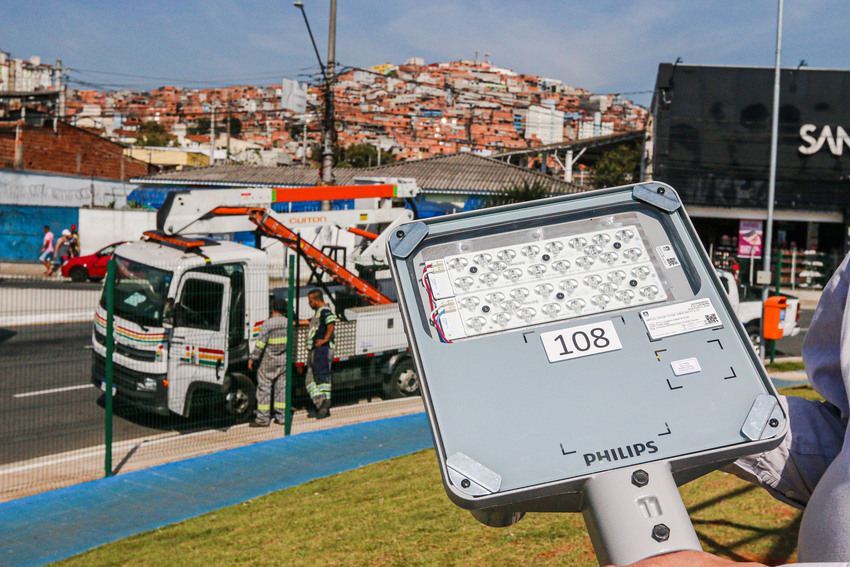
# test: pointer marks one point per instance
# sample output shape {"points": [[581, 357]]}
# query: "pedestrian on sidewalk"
{"points": [[75, 241], [46, 252], [269, 358], [62, 252], [320, 339]]}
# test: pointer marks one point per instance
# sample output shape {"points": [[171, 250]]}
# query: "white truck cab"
{"points": [[185, 318]]}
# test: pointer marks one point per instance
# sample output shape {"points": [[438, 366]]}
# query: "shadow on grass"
{"points": [[784, 537]]}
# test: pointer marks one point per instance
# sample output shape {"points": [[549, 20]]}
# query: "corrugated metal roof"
{"points": [[457, 173]]}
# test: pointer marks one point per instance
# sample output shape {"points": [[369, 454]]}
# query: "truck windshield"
{"points": [[140, 292]]}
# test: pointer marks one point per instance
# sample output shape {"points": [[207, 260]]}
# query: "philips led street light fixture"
{"points": [[579, 354]]}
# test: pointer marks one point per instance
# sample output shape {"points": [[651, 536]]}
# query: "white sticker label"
{"points": [[575, 342], [680, 318], [668, 256], [685, 366]]}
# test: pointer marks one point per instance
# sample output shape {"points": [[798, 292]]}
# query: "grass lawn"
{"points": [[397, 513], [793, 366]]}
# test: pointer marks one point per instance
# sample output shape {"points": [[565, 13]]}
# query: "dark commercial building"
{"points": [[709, 138]]}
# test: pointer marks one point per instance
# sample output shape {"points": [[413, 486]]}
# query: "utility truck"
{"points": [[188, 309]]}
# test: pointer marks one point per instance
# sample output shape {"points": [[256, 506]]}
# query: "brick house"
{"points": [[66, 150]]}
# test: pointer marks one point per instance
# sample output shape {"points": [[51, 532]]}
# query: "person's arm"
{"points": [[703, 559], [689, 559], [259, 347]]}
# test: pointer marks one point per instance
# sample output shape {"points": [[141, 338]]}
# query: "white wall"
{"points": [[100, 227], [53, 190]]}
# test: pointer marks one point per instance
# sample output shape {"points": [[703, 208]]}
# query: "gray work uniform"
{"points": [[270, 352], [811, 468]]}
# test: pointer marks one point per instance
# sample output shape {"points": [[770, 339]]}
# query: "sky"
{"points": [[605, 46]]}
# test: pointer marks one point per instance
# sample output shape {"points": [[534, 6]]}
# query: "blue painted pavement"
{"points": [[47, 527]]}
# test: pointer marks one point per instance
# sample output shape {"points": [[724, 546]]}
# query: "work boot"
{"points": [[256, 423], [311, 410], [324, 410]]}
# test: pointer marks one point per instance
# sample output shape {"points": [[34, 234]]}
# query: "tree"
{"points": [[618, 166], [519, 192], [364, 155], [202, 126], [153, 134], [235, 126]]}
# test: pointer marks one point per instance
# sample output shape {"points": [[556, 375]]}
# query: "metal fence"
{"points": [[179, 369]]}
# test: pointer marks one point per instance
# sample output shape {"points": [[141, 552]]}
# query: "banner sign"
{"points": [[750, 233]]}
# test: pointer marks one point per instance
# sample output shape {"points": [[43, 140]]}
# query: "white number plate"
{"points": [[575, 342]]}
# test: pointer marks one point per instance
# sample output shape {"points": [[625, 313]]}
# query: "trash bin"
{"points": [[774, 316]]}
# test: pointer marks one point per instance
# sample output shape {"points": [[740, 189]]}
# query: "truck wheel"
{"points": [[241, 400], [753, 334], [403, 382], [78, 274]]}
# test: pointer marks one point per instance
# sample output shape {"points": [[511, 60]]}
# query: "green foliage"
{"points": [[519, 192], [153, 134], [364, 155], [618, 166], [202, 127]]}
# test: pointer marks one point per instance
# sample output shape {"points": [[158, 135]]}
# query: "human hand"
{"points": [[250, 365], [689, 559]]}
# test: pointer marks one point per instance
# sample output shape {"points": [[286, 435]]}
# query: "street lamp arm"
{"points": [[300, 6]]}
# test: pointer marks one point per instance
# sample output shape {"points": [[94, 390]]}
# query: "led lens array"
{"points": [[528, 284]]}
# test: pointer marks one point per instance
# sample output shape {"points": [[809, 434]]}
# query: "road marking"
{"points": [[51, 391]]}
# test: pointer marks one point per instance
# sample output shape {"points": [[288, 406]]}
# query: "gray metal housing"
{"points": [[515, 432]]}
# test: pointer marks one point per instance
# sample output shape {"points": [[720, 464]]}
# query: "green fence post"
{"points": [[110, 347], [778, 284], [290, 343]]}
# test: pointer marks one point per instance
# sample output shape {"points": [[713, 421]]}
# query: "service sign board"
{"points": [[750, 233], [712, 136]]}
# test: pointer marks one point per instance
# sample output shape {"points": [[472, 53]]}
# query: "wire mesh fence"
{"points": [[183, 330]]}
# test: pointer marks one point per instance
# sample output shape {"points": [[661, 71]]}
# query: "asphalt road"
{"points": [[48, 405]]}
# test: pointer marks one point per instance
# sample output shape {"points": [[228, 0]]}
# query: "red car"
{"points": [[92, 267]]}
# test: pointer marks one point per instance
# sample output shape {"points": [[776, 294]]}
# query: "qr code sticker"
{"points": [[668, 256], [712, 319]]}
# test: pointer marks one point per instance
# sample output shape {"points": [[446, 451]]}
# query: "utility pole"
{"points": [[767, 242], [328, 115], [304, 141], [328, 138], [212, 135], [227, 118]]}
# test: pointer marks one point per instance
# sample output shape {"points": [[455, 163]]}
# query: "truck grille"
{"points": [[127, 350]]}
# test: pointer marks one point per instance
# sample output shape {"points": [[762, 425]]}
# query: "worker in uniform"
{"points": [[270, 354], [320, 340]]}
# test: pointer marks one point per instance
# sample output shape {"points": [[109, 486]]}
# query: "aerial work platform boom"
{"points": [[233, 210]]}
